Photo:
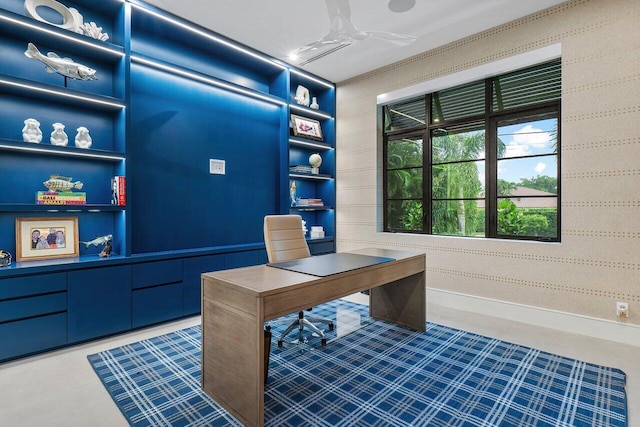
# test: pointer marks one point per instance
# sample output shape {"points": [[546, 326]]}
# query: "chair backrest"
{"points": [[284, 239]]}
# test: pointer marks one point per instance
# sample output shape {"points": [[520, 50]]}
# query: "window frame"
{"points": [[491, 119]]}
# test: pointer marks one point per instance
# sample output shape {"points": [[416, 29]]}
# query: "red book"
{"points": [[119, 191]]}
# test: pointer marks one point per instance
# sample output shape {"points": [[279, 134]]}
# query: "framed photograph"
{"points": [[46, 238], [306, 128]]}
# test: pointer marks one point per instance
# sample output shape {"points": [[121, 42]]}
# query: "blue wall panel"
{"points": [[176, 127]]}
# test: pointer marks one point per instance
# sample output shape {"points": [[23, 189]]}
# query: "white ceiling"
{"points": [[277, 27]]}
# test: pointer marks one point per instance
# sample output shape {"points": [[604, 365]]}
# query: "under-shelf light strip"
{"points": [[206, 80], [63, 94], [310, 77], [66, 153], [310, 112], [326, 178], [62, 36], [311, 144], [209, 36]]}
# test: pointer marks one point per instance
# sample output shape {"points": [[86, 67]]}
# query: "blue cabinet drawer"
{"points": [[23, 308], [242, 259], [157, 304], [32, 335], [321, 247], [32, 285], [156, 273]]}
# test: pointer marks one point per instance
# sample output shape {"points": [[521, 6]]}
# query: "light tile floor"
{"points": [[59, 388]]}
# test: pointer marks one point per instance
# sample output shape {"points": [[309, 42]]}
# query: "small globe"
{"points": [[315, 160]]}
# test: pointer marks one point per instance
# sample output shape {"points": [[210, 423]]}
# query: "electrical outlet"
{"points": [[622, 309], [216, 167]]}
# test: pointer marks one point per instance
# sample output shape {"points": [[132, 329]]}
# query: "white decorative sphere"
{"points": [[315, 160]]}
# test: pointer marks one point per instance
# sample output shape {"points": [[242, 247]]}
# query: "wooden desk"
{"points": [[237, 302]]}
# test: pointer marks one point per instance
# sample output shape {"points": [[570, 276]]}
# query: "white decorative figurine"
{"points": [[314, 104], [292, 193], [59, 136], [83, 139], [302, 95], [92, 30], [71, 19], [31, 131], [315, 161]]}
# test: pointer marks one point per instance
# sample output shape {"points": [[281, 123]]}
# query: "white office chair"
{"points": [[284, 240]]}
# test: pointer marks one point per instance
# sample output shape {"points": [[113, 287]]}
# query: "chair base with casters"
{"points": [[301, 322]]}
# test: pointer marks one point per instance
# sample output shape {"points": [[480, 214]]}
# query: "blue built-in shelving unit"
{"points": [[170, 95]]}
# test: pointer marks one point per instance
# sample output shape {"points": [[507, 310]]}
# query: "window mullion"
{"points": [[426, 171]]}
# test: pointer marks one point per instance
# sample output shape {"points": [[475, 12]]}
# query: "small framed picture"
{"points": [[306, 128], [46, 238]]}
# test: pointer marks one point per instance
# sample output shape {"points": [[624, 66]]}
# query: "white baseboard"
{"points": [[567, 322]]}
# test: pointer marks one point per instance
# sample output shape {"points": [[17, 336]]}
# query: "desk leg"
{"points": [[232, 360], [403, 302]]}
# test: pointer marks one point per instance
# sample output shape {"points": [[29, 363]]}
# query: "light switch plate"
{"points": [[217, 167]]}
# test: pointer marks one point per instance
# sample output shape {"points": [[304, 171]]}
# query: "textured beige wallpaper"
{"points": [[598, 261]]}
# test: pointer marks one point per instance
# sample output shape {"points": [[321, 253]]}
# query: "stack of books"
{"points": [[310, 202], [300, 169], [60, 198]]}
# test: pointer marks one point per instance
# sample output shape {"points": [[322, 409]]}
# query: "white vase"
{"points": [[314, 104]]}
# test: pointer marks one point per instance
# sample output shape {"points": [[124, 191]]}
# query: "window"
{"points": [[480, 159]]}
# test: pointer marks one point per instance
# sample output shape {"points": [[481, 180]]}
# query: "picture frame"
{"points": [[46, 238], [306, 128]]}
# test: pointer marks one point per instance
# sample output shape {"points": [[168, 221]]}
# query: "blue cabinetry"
{"points": [[157, 292], [33, 314], [29, 336], [28, 91], [169, 97], [193, 268], [99, 302], [319, 185]]}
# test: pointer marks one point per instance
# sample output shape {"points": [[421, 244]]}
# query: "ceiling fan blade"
{"points": [[395, 38], [321, 53], [342, 33]]}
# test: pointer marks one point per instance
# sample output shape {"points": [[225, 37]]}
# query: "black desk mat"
{"points": [[329, 264]]}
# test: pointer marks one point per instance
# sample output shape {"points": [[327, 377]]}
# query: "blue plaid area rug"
{"points": [[378, 375]]}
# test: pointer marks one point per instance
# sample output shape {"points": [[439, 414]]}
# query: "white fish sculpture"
{"points": [[63, 66], [101, 240], [61, 183]]}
